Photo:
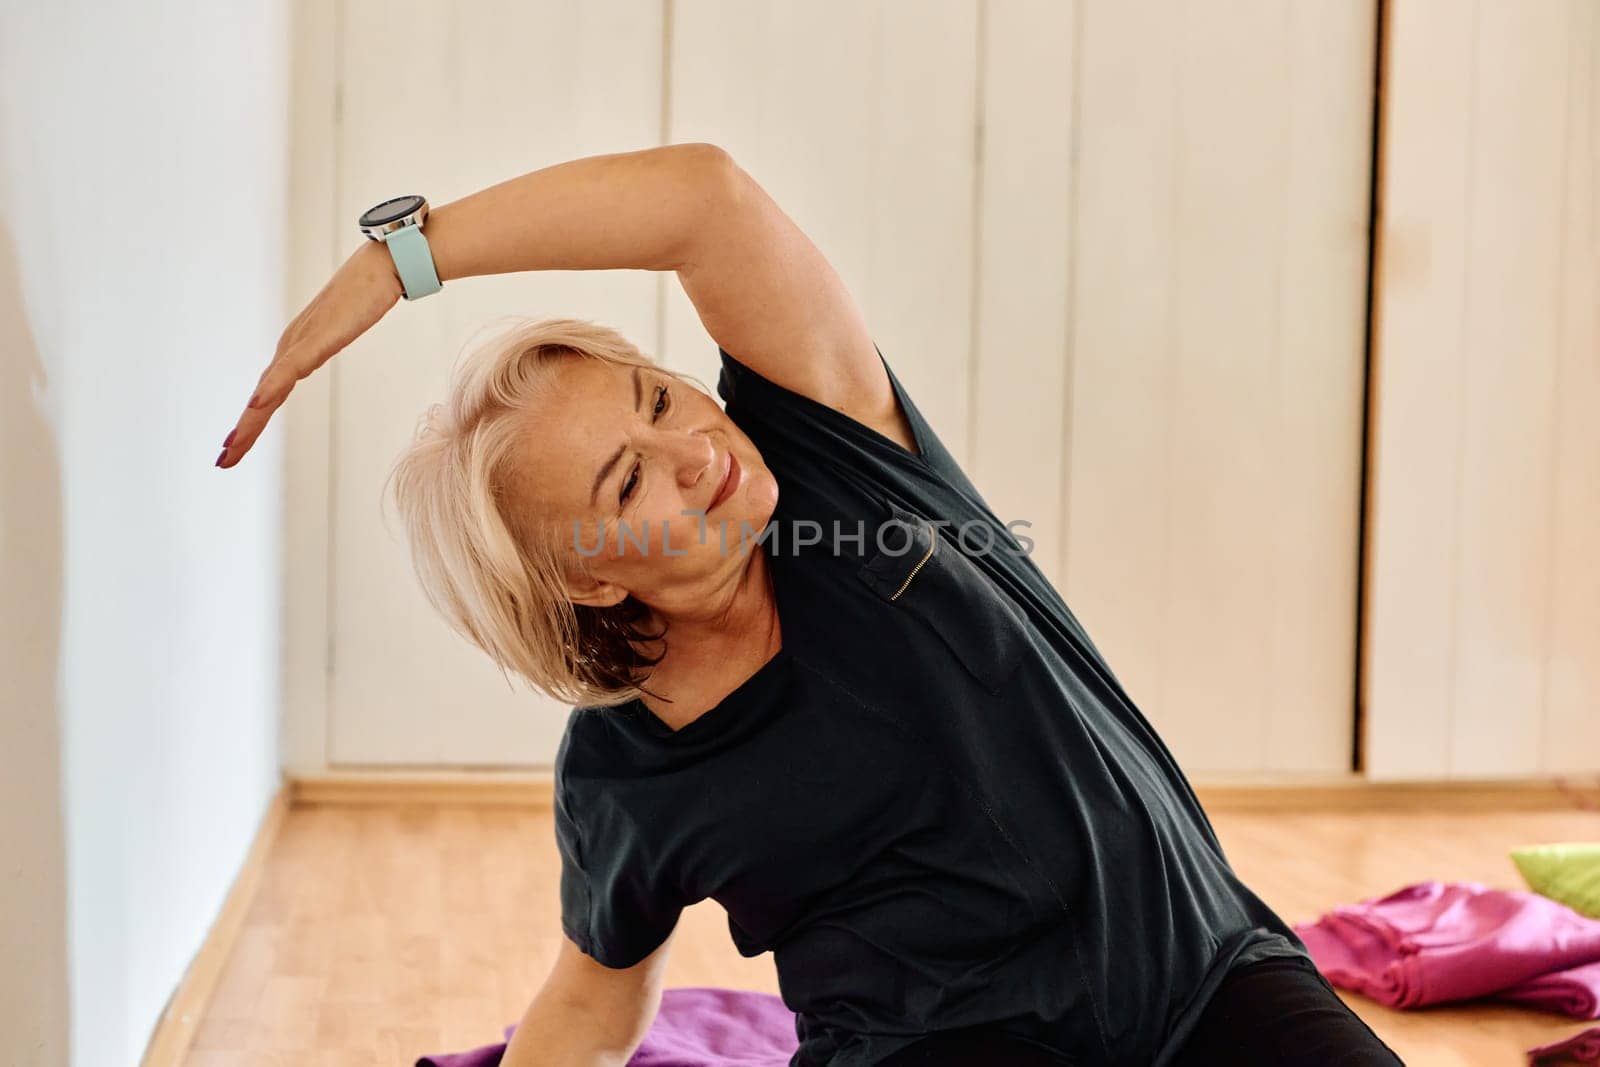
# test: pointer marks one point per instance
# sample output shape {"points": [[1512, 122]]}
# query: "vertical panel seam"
{"points": [[1469, 174], [1552, 505], [975, 219], [1069, 341], [1174, 222], [668, 16], [1366, 493], [330, 561], [1274, 555], [875, 141]]}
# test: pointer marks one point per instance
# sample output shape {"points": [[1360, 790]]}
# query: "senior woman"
{"points": [[817, 680]]}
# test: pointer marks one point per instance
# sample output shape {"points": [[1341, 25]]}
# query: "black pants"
{"points": [[1282, 1011], [1274, 1013]]}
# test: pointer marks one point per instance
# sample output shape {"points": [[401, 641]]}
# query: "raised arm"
{"points": [[762, 289]]}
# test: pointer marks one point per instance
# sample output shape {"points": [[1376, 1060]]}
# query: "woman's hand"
{"points": [[359, 294]]}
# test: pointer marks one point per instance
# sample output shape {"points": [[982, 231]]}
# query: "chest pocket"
{"points": [[918, 571]]}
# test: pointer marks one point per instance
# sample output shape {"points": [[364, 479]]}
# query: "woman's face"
{"points": [[659, 469]]}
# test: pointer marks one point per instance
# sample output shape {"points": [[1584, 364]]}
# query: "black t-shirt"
{"points": [[935, 806]]}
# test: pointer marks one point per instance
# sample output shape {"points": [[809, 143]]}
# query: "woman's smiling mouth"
{"points": [[730, 482]]}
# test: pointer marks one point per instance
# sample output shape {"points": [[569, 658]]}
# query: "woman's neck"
{"points": [[707, 656]]}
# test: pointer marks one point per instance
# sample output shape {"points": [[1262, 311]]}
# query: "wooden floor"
{"points": [[382, 933]]}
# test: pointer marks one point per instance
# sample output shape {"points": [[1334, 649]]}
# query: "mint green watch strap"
{"points": [[414, 260]]}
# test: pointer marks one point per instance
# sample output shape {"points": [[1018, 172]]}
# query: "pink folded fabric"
{"points": [[1441, 941], [696, 1027], [1574, 991], [1582, 1047]]}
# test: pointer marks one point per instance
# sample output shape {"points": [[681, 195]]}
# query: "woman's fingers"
{"points": [[276, 383], [252, 421], [241, 437]]}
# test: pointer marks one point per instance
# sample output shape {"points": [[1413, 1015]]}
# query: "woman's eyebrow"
{"points": [[605, 469]]}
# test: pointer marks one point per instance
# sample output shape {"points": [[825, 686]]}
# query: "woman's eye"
{"points": [[633, 475]]}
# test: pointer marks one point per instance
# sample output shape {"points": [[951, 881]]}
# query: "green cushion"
{"points": [[1568, 873]]}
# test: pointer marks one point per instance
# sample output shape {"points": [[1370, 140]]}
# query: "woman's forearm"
{"points": [[560, 1029], [628, 210]]}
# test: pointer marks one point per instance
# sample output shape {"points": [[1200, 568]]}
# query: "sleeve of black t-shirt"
{"points": [[617, 904]]}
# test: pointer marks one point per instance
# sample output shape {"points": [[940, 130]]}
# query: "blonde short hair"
{"points": [[486, 562]]}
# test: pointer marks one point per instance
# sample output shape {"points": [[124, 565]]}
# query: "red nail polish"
{"points": [[229, 439], [219, 458]]}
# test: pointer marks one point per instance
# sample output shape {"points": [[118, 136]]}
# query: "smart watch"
{"points": [[398, 224]]}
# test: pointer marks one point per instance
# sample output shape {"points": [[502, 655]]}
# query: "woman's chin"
{"points": [[759, 499], [742, 522]]}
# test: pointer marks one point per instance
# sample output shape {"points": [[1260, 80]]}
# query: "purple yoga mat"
{"points": [[696, 1027]]}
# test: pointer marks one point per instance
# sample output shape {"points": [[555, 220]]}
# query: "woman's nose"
{"points": [[693, 455]]}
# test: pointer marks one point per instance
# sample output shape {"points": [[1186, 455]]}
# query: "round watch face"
{"points": [[390, 210]]}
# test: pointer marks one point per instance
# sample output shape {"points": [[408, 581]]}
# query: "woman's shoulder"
{"points": [[830, 466], [827, 453], [587, 747]]}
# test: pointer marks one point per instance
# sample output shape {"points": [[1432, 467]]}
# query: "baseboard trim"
{"points": [[1354, 793], [532, 789], [485, 789], [176, 1028]]}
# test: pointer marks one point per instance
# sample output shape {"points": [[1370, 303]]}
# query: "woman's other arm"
{"points": [[587, 1014]]}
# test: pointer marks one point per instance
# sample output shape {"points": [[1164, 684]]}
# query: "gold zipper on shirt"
{"points": [[926, 557]]}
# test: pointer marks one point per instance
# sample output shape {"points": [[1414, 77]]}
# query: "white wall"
{"points": [[141, 168]]}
